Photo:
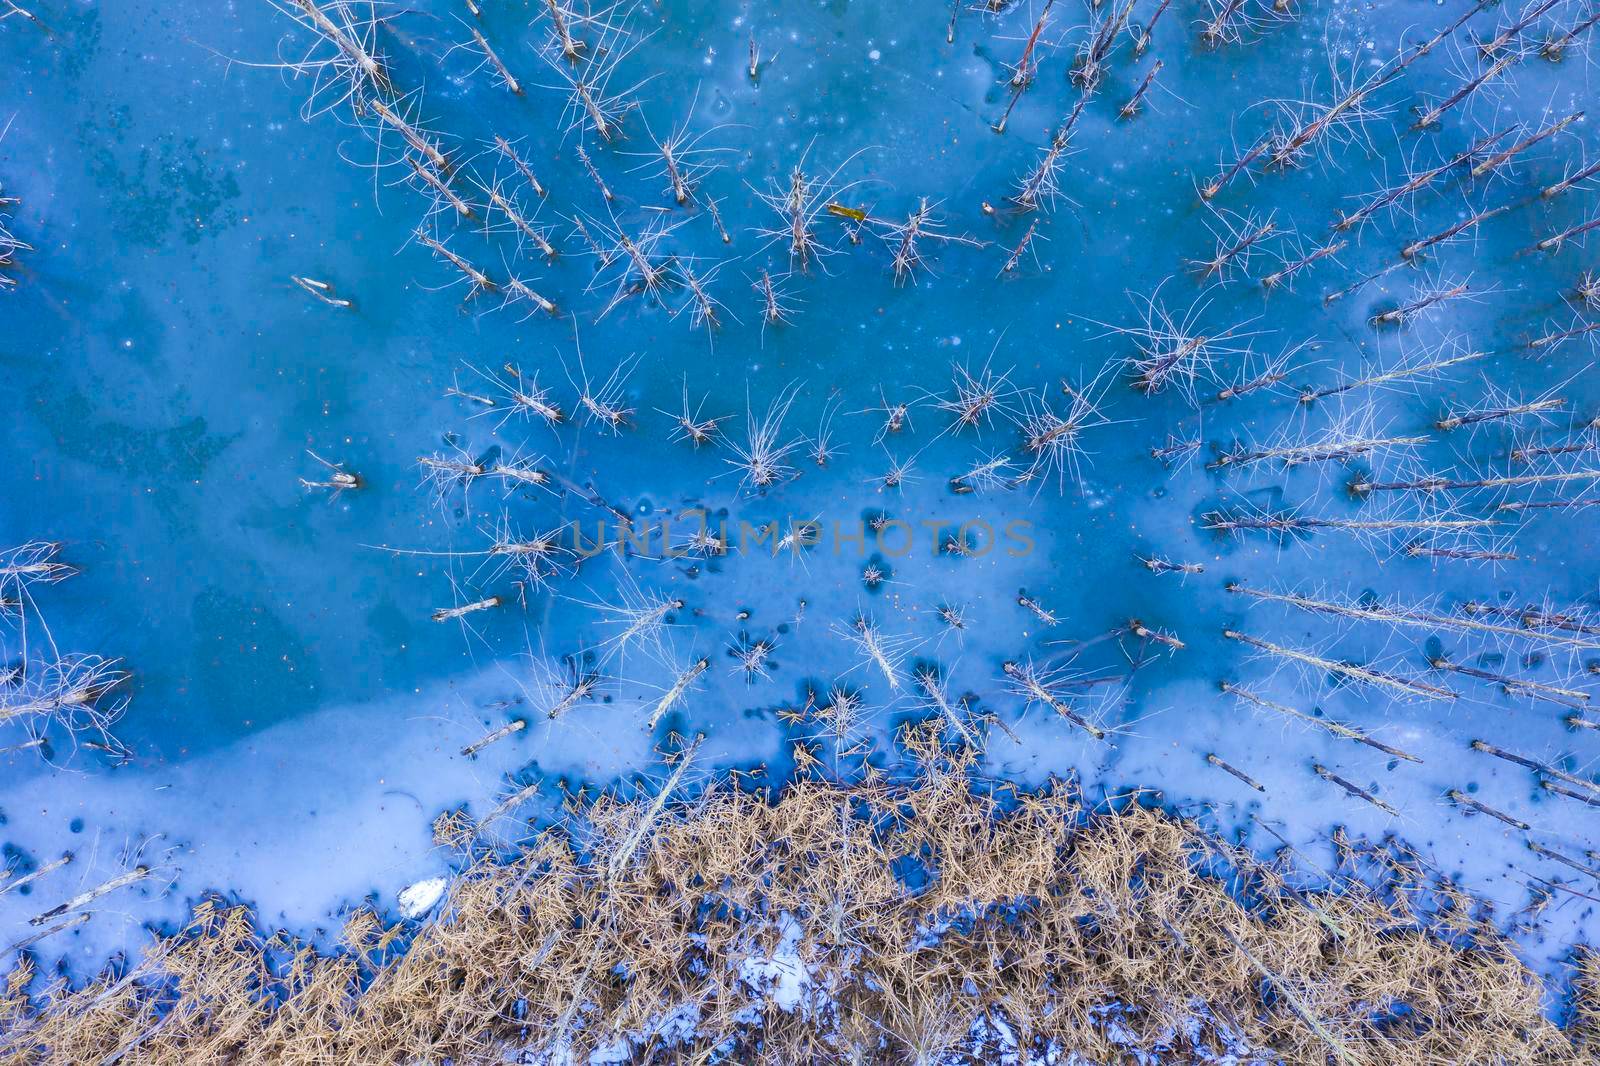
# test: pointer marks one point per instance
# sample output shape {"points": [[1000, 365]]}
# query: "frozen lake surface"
{"points": [[1039, 364]]}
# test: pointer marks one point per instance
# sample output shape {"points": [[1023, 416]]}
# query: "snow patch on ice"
{"points": [[420, 898]]}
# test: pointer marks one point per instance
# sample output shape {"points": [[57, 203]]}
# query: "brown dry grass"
{"points": [[1086, 932]]}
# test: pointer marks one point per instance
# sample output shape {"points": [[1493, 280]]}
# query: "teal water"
{"points": [[168, 380]]}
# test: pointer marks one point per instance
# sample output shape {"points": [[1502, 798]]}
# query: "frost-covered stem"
{"points": [[494, 59], [1511, 32], [1143, 41], [1564, 335], [1420, 181], [1040, 183], [1556, 241], [1553, 856], [1551, 191], [364, 61], [1535, 765], [35, 561], [1173, 449], [1528, 455], [1416, 307], [594, 175], [1363, 674], [771, 309], [43, 871], [675, 178], [439, 186], [630, 844], [1154, 372], [517, 287], [451, 470], [470, 272], [933, 689], [412, 136], [716, 220], [1496, 414], [526, 228], [1513, 686], [322, 290], [872, 644], [578, 691], [1532, 617], [1406, 616], [1421, 370], [1036, 690], [651, 274], [1226, 255], [447, 614], [1499, 158], [1556, 47], [1219, 27], [1158, 565], [1335, 448], [1265, 380], [516, 725], [1439, 484], [1216, 186], [1285, 153], [83, 899], [1023, 73], [1432, 42], [1461, 799], [1412, 250], [1589, 799], [33, 938], [1131, 108], [1548, 505], [1090, 67], [522, 167], [1431, 116], [1215, 760], [1294, 524], [1338, 729], [1029, 604], [510, 803], [1353, 789], [570, 47], [1273, 280], [705, 309], [521, 472], [77, 684], [1144, 632], [1428, 551], [906, 256], [1022, 246], [13, 8], [675, 693]]}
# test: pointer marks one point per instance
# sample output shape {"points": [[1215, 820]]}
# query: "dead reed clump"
{"points": [[923, 919]]}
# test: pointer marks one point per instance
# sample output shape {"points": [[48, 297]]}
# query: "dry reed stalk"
{"points": [[1216, 761], [1338, 729], [1400, 616], [1365, 675], [322, 290], [450, 614], [516, 725]]}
